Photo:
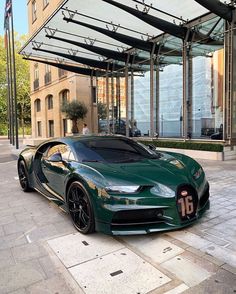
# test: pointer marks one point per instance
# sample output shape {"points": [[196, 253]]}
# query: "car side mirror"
{"points": [[152, 147], [56, 157]]}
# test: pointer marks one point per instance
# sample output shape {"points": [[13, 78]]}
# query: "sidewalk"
{"points": [[41, 252]]}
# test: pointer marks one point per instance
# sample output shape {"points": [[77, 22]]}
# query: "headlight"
{"points": [[162, 191], [198, 173], [122, 189]]}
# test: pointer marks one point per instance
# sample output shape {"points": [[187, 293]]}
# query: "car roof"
{"points": [[71, 139]]}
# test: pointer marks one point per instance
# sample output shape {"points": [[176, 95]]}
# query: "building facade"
{"points": [[51, 87]]}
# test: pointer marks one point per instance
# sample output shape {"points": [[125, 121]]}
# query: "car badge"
{"points": [[184, 193]]}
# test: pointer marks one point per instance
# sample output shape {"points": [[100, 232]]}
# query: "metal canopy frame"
{"points": [[118, 50]]}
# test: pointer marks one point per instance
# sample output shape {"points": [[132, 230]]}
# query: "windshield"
{"points": [[112, 150]]}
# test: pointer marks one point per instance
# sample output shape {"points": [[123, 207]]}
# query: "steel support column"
{"points": [[132, 99], [157, 108], [118, 99], [151, 133], [112, 103], [108, 103], [229, 128], [186, 129], [127, 99], [91, 104]]}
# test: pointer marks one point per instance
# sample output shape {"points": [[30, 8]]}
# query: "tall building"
{"points": [[50, 86]]}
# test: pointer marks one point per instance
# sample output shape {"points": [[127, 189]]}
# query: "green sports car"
{"points": [[115, 185]]}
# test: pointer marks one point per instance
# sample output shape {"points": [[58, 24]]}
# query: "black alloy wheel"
{"points": [[23, 177], [80, 208]]}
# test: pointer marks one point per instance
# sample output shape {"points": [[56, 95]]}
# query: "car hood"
{"points": [[167, 170]]}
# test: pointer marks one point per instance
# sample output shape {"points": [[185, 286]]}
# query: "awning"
{"points": [[109, 35]]}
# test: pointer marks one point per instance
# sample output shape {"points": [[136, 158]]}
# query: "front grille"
{"points": [[187, 202], [138, 216]]}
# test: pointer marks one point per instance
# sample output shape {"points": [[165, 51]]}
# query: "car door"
{"points": [[56, 166]]}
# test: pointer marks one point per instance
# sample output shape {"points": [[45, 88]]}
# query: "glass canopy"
{"points": [[107, 35]]}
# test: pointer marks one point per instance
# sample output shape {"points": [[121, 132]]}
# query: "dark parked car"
{"points": [[115, 185]]}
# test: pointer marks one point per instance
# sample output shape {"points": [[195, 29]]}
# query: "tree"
{"points": [[22, 82], [74, 110]]}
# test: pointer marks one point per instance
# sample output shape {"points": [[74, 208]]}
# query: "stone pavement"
{"points": [[41, 252]]}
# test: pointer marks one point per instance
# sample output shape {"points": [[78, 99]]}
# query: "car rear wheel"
{"points": [[23, 177], [80, 208]]}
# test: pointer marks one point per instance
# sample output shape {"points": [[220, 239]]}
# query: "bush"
{"points": [[186, 145], [3, 129]]}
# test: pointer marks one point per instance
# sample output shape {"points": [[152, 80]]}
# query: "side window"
{"points": [[60, 148]]}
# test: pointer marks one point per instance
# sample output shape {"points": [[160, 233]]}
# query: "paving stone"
{"points": [[48, 266], [156, 248], [224, 254], [17, 277], [187, 271], [200, 261], [53, 217], [12, 240], [222, 282], [191, 239], [28, 252], [1, 231], [19, 227], [55, 284], [4, 205], [229, 268], [195, 251], [65, 227], [19, 291], [216, 240], [177, 290], [4, 220], [77, 248], [6, 258], [180, 244], [41, 233], [213, 259], [119, 272]]}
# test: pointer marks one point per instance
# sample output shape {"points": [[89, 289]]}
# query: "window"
{"points": [[50, 102], [48, 75], [34, 11], [63, 149], [65, 129], [39, 129], [38, 105], [115, 150], [45, 3], [94, 94], [36, 76], [51, 128], [64, 96], [61, 73]]}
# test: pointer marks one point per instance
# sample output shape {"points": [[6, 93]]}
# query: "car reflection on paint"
{"points": [[114, 185]]}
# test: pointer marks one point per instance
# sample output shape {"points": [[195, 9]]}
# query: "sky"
{"points": [[20, 16]]}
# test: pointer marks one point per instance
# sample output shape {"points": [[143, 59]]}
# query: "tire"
{"points": [[23, 177], [80, 208]]}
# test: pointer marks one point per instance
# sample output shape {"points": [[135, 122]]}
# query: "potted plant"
{"points": [[74, 110]]}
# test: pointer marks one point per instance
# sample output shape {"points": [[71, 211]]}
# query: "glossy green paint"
{"points": [[171, 170]]}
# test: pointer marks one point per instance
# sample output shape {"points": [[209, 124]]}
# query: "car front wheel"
{"points": [[23, 177], [80, 208]]}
